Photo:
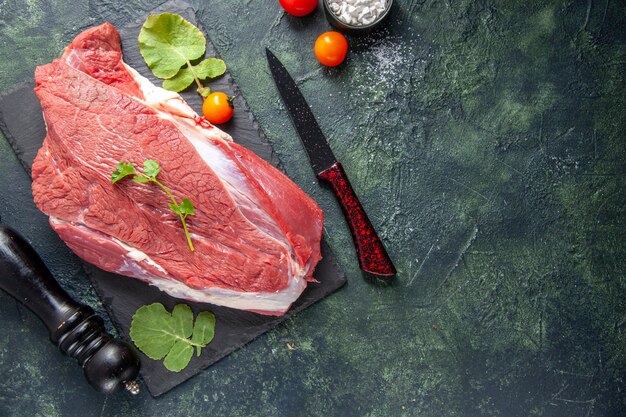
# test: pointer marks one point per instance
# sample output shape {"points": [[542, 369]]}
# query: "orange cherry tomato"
{"points": [[298, 7], [331, 48], [218, 108]]}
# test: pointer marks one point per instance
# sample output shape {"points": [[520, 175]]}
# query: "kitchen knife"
{"points": [[373, 257]]}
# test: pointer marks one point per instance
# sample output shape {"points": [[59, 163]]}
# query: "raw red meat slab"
{"points": [[256, 233]]}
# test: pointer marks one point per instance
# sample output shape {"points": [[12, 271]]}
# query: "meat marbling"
{"points": [[257, 234]]}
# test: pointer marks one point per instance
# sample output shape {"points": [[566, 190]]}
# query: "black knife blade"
{"points": [[315, 144], [373, 257]]}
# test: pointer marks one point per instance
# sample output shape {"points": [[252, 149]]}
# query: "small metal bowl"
{"points": [[354, 29]]}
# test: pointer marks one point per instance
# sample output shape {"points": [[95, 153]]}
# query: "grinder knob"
{"points": [[108, 363]]}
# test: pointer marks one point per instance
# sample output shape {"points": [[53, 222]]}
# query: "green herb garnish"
{"points": [[150, 171], [169, 44], [171, 336]]}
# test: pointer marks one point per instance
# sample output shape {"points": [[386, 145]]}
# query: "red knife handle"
{"points": [[373, 257]]}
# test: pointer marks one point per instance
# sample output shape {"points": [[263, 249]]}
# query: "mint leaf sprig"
{"points": [[171, 336], [151, 169]]}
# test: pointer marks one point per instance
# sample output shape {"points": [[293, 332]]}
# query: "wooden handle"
{"points": [[373, 257], [25, 277], [109, 364]]}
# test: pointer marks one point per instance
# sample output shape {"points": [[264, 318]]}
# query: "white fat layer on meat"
{"points": [[133, 265], [277, 302], [171, 106], [139, 256]]}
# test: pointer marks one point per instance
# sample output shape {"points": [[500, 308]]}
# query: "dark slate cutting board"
{"points": [[22, 123]]}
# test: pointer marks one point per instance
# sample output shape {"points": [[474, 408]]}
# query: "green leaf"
{"points": [[180, 81], [151, 168], [186, 207], [171, 337], [175, 208], [210, 68], [142, 179], [167, 42], [123, 170], [150, 330], [178, 358], [204, 329], [182, 320]]}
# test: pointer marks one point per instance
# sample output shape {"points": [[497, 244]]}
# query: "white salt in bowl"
{"points": [[354, 28]]}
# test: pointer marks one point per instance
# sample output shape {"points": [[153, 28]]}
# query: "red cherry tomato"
{"points": [[218, 108], [298, 7], [331, 48]]}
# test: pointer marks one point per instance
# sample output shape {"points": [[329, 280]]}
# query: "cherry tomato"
{"points": [[298, 7], [331, 48], [218, 108]]}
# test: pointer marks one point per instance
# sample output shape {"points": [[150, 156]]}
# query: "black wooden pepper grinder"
{"points": [[108, 363]]}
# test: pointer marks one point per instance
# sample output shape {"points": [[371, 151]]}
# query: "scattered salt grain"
{"points": [[357, 12]]}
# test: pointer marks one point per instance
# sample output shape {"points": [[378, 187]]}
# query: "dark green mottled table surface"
{"points": [[486, 140]]}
